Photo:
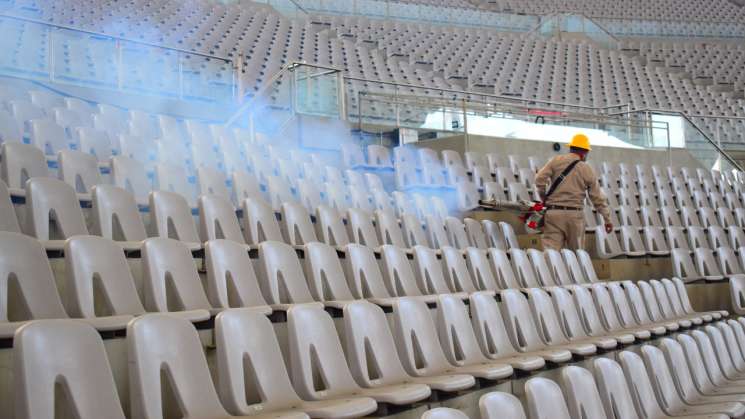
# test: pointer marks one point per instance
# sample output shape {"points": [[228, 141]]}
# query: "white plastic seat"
{"points": [[614, 390], [646, 310], [523, 268], [704, 369], [509, 235], [399, 276], [98, 279], [479, 267], [259, 222], [544, 274], [626, 314], [314, 348], [368, 336], [457, 235], [231, 281], [582, 395], [171, 217], [174, 179], [297, 223], [667, 307], [389, 229], [19, 163], [278, 191], [438, 236], [494, 235], [282, 279], [475, 232], [245, 185], [379, 156], [707, 265], [577, 327], [217, 219], [545, 400], [683, 265], [503, 272], [79, 170], [78, 359], [252, 376], [669, 395], [95, 143], [444, 413], [115, 215], [23, 259], [212, 182], [171, 282], [468, 196], [542, 308], [48, 136], [130, 175], [609, 314], [574, 267], [365, 278], [494, 191], [53, 210], [326, 277], [606, 244], [331, 226], [177, 350], [361, 228], [456, 272], [654, 241]]}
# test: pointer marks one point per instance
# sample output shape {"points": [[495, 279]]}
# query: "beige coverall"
{"points": [[566, 228]]}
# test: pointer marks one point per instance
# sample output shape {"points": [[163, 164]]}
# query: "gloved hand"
{"points": [[608, 227]]}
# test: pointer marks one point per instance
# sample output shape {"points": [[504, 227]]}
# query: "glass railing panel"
{"points": [[205, 78], [83, 59], [25, 49]]}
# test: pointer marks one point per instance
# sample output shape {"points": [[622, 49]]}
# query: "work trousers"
{"points": [[564, 229]]}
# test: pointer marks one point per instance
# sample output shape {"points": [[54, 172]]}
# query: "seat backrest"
{"points": [[545, 400], [544, 274], [389, 229], [662, 379], [53, 202], [525, 274], [79, 170], [298, 224], [95, 143], [638, 305], [325, 273], [251, 374], [519, 321], [479, 267], [416, 338], [245, 185], [456, 333], [231, 281], [171, 281], [676, 359], [700, 365], [639, 384], [585, 261], [21, 162], [331, 226], [487, 322], [24, 268], [131, 176], [456, 272], [582, 396], [568, 313], [546, 315], [77, 363], [8, 218], [171, 217], [430, 275], [438, 236], [398, 273], [499, 405], [414, 232], [620, 299], [370, 347], [282, 277], [260, 223], [212, 182], [99, 280], [217, 219], [315, 350], [48, 136], [115, 214], [509, 235], [363, 273], [164, 347], [503, 271], [605, 308], [361, 228], [613, 390], [456, 232], [574, 267], [476, 235]]}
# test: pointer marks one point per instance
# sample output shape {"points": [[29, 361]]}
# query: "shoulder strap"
{"points": [[561, 178]]}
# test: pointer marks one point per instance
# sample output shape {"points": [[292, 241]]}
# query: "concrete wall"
{"points": [[544, 150]]}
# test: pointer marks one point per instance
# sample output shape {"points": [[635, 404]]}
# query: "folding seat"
{"points": [[419, 346], [178, 345], [298, 224], [708, 217], [310, 195], [647, 310], [718, 237], [505, 176], [648, 198], [544, 274], [457, 174], [444, 413], [475, 232], [614, 390], [585, 262], [607, 313], [78, 359], [658, 304], [650, 217], [53, 211], [326, 275], [517, 192], [402, 203], [174, 179], [406, 177], [717, 358], [551, 332], [655, 242], [8, 219], [231, 281], [545, 400], [628, 316], [571, 323], [668, 304], [689, 217], [494, 191], [217, 219], [736, 237], [281, 276], [48, 137], [260, 222], [733, 201], [171, 217], [389, 229], [131, 176], [431, 277], [95, 143], [582, 395], [494, 235], [702, 364], [212, 182], [697, 237], [19, 163], [352, 155], [678, 399], [523, 269], [244, 185], [10, 129], [279, 192], [606, 244], [683, 200], [422, 205], [438, 236], [701, 199], [451, 158], [725, 217], [676, 238], [509, 235], [481, 176], [740, 217], [456, 271], [365, 277], [289, 171], [23, 259]]}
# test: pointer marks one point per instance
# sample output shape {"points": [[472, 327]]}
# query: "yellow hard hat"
{"points": [[580, 141]]}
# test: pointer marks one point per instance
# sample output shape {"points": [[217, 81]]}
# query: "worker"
{"points": [[564, 223]]}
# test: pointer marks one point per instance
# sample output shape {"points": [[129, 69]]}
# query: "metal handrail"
{"points": [[114, 37]]}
